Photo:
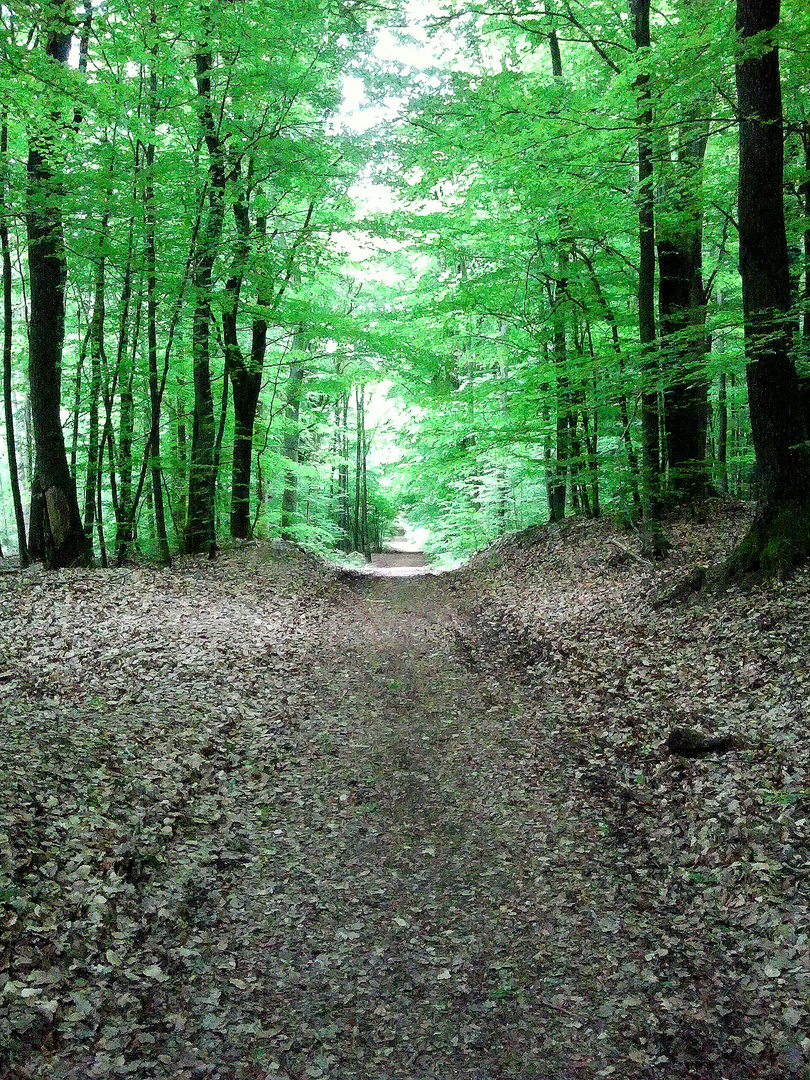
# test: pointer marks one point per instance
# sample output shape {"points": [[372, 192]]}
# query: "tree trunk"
{"points": [[150, 261], [292, 436], [343, 516], [155, 397], [200, 526], [682, 310], [722, 434], [562, 452], [92, 485], [653, 541], [358, 471], [8, 328], [246, 383], [124, 524], [804, 194], [780, 535], [624, 412], [56, 533]]}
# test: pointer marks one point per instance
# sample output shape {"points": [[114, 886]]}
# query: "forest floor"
{"points": [[267, 818]]}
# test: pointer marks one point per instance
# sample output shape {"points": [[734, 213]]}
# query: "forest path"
{"points": [[400, 561], [268, 817], [264, 818], [423, 926]]}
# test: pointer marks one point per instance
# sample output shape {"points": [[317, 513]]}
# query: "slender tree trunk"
{"points": [[122, 487], [150, 259], [161, 539], [8, 328], [722, 433], [92, 484], [557, 488], [591, 444], [624, 412], [200, 525], [682, 309], [562, 454], [180, 470], [653, 541], [246, 383], [365, 527], [56, 533], [343, 472], [93, 458], [804, 195], [358, 470], [125, 524], [780, 535], [292, 436]]}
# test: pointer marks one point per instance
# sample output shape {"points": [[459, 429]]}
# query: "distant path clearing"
{"points": [[395, 563]]}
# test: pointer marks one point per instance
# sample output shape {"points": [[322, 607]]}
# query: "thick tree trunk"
{"points": [[780, 535], [56, 532]]}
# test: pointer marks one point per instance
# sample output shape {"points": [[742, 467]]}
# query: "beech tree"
{"points": [[56, 533], [780, 536]]}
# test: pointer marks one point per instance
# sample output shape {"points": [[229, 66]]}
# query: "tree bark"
{"points": [[246, 383], [780, 535], [682, 311], [200, 532], [56, 533], [8, 328], [292, 437], [562, 453], [150, 257], [654, 544], [804, 195]]}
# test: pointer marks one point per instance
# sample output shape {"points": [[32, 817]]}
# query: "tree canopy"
{"points": [[230, 233]]}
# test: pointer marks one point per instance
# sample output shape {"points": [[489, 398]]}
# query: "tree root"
{"points": [[776, 543]]}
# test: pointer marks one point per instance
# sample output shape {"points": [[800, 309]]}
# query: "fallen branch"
{"points": [[632, 554]]}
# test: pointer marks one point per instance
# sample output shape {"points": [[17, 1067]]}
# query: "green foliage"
{"points": [[490, 278]]}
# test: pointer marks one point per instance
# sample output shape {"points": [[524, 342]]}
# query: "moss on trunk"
{"points": [[777, 541]]}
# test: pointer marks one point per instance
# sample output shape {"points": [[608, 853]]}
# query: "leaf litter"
{"points": [[264, 819]]}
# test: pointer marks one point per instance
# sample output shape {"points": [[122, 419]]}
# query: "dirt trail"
{"points": [[400, 562], [420, 887], [266, 819], [272, 832]]}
